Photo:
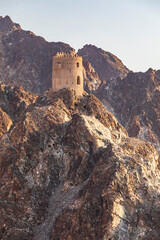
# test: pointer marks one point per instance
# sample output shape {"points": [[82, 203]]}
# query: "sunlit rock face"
{"points": [[26, 59], [107, 65], [135, 101], [68, 170], [5, 122], [91, 78], [14, 100]]}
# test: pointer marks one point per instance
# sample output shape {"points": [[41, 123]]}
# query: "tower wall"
{"points": [[67, 72]]}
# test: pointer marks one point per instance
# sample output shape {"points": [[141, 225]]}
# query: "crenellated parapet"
{"points": [[64, 54]]}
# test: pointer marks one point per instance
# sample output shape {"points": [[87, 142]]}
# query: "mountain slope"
{"points": [[26, 59], [135, 101], [14, 100], [91, 78], [69, 170], [107, 65]]}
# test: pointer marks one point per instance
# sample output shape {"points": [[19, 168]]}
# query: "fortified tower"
{"points": [[67, 72]]}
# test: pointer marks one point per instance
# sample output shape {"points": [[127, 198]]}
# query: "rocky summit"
{"points": [[69, 171], [7, 25]]}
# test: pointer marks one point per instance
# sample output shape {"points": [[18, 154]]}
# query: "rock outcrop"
{"points": [[91, 79], [68, 170], [107, 65], [135, 101], [5, 122], [14, 100], [7, 25]]}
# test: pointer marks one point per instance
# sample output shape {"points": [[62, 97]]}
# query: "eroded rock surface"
{"points": [[7, 25], [107, 65], [135, 101], [5, 122], [69, 171], [91, 78], [14, 100], [26, 59]]}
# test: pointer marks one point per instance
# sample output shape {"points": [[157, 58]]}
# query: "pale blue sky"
{"points": [[130, 29]]}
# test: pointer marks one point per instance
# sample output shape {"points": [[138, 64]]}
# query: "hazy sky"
{"points": [[130, 29]]}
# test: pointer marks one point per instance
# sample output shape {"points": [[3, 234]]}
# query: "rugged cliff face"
{"points": [[69, 170], [135, 100], [91, 78], [13, 101], [107, 65]]}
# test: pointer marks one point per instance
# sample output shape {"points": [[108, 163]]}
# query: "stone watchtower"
{"points": [[67, 72]]}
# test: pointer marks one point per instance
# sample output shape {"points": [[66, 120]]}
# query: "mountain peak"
{"points": [[150, 71], [7, 25], [108, 65]]}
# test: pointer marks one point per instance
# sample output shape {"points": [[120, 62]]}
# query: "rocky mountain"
{"points": [[91, 78], [69, 171], [68, 168], [107, 65], [13, 100], [26, 59], [135, 101], [7, 25]]}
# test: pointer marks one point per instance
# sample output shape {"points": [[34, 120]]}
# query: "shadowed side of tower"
{"points": [[67, 72]]}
